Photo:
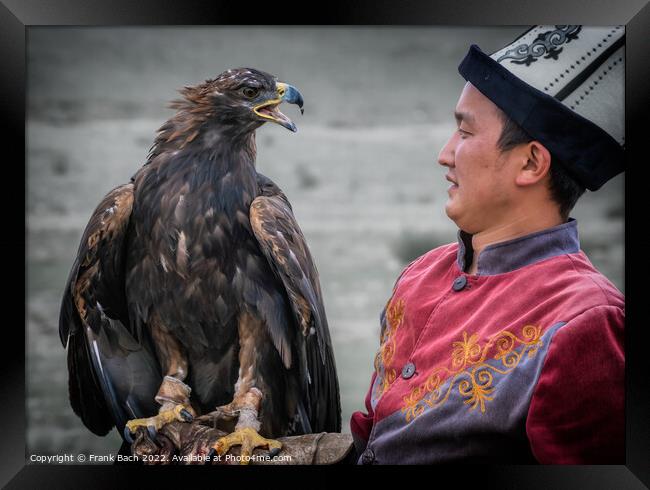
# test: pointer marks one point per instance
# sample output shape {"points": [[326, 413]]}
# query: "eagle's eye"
{"points": [[251, 92]]}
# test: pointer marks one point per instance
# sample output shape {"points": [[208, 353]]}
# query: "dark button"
{"points": [[368, 456], [408, 371], [459, 283]]}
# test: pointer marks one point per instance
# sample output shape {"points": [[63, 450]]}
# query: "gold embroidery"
{"points": [[383, 359], [477, 388], [464, 351], [395, 314], [469, 368]]}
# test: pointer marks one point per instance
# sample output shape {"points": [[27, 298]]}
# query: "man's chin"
{"points": [[451, 211]]}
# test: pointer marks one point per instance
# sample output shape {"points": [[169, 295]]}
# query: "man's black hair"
{"points": [[565, 190]]}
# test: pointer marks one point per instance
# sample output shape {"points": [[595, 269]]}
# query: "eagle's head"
{"points": [[242, 98]]}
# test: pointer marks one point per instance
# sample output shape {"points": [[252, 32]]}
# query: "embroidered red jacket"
{"points": [[522, 362]]}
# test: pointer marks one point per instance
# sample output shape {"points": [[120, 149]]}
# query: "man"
{"points": [[508, 345]]}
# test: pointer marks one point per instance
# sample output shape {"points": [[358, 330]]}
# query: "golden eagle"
{"points": [[193, 292]]}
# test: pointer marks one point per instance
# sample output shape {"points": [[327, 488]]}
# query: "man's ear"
{"points": [[535, 163]]}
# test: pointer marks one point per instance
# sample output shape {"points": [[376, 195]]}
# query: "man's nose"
{"points": [[446, 155]]}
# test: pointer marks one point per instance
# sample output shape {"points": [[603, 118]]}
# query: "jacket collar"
{"points": [[511, 255]]}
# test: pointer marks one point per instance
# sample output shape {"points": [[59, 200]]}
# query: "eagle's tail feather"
{"points": [[86, 396]]}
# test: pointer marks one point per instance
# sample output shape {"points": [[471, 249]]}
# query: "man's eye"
{"points": [[463, 132], [251, 92]]}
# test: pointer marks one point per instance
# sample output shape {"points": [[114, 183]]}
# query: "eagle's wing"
{"points": [[284, 246], [113, 374]]}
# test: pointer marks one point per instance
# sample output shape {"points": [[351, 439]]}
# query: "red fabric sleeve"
{"points": [[577, 411], [361, 423]]}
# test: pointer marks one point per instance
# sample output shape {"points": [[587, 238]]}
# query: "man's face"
{"points": [[483, 187]]}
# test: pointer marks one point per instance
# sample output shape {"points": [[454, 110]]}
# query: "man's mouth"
{"points": [[452, 181]]}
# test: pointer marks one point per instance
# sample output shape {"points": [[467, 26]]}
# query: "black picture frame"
{"points": [[17, 16]]}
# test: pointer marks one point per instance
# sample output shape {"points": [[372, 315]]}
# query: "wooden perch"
{"points": [[189, 443]]}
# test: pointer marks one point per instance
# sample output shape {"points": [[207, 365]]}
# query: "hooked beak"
{"points": [[269, 109]]}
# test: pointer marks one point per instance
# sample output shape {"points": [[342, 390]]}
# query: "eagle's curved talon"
{"points": [[152, 432], [128, 437], [186, 416], [274, 452], [155, 423], [211, 453]]}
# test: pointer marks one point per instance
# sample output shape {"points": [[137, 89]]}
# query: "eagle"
{"points": [[193, 293]]}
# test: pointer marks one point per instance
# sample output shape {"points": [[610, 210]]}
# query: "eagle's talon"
{"points": [[210, 456], [152, 432], [274, 452], [155, 423], [128, 437], [185, 415]]}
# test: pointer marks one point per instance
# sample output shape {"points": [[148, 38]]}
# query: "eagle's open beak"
{"points": [[269, 109]]}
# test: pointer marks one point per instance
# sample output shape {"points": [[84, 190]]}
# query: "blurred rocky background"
{"points": [[361, 172]]}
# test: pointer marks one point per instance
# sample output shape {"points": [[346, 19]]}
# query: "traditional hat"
{"points": [[564, 85]]}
